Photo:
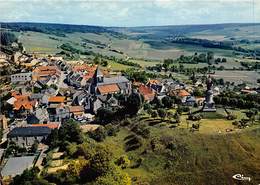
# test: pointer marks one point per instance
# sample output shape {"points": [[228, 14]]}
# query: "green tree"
{"points": [[105, 115], [167, 102], [177, 117], [97, 60], [99, 134], [123, 161], [114, 177], [162, 113], [71, 132], [133, 103], [34, 147]]}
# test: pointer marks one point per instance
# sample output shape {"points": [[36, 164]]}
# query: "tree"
{"points": [[157, 102], [29, 177], [105, 115], [198, 92], [251, 114], [210, 56], [99, 164], [111, 129], [34, 147], [99, 134], [7, 38], [97, 60], [104, 63], [167, 102], [68, 132], [224, 60], [71, 132], [162, 113], [114, 177], [177, 117], [123, 161], [53, 139], [154, 114], [133, 103]]}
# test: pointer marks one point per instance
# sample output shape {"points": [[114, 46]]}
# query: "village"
{"points": [[50, 91]]}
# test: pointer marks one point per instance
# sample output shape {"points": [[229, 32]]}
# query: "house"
{"points": [[157, 86], [3, 56], [46, 73], [23, 105], [57, 99], [21, 77], [26, 136], [76, 111], [57, 109], [102, 85], [79, 98], [99, 101], [147, 92], [190, 101], [38, 116], [183, 94], [81, 75]]}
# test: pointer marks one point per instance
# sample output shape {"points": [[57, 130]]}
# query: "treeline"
{"points": [[7, 38], [213, 44], [128, 63], [251, 65], [196, 58], [238, 100], [139, 76], [73, 50], [202, 42], [57, 29], [84, 40]]}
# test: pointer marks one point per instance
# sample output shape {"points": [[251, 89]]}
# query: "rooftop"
{"points": [[183, 93], [16, 165], [57, 99], [23, 101], [29, 131], [111, 88], [49, 125], [147, 92]]}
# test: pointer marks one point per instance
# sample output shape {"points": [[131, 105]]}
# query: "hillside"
{"points": [[177, 155]]}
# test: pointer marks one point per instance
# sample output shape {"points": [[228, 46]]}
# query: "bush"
{"points": [[162, 113], [99, 134], [154, 114], [123, 161], [111, 129]]}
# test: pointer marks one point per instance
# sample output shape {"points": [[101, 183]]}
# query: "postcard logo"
{"points": [[241, 177]]}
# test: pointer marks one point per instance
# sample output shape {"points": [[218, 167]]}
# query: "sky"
{"points": [[131, 12]]}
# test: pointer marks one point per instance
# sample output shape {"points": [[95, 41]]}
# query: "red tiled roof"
{"points": [[76, 109], [153, 81], [84, 67], [57, 99], [111, 88], [45, 71], [50, 125], [147, 92], [23, 101], [183, 93]]}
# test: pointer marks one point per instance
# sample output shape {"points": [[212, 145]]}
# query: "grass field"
{"points": [[205, 157]]}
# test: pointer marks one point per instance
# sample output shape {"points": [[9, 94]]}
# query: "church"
{"points": [[101, 85]]}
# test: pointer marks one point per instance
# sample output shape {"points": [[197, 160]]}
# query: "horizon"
{"points": [[71, 24], [125, 13]]}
